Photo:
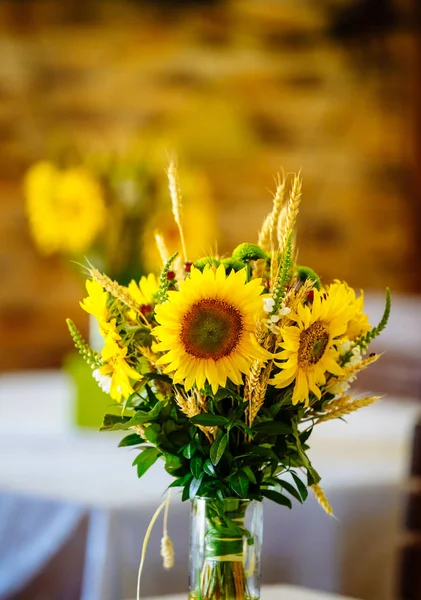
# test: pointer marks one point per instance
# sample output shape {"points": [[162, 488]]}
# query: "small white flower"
{"points": [[344, 347], [339, 388], [284, 311], [268, 304], [356, 357], [103, 381], [275, 318]]}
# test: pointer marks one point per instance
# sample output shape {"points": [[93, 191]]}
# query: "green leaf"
{"points": [[305, 435], [249, 474], [240, 484], [172, 463], [182, 481], [239, 411], [152, 433], [209, 420], [268, 453], [195, 485], [300, 485], [142, 416], [218, 448], [186, 492], [272, 428], [243, 427], [189, 450], [115, 423], [196, 466], [277, 497], [145, 460], [291, 490], [131, 440], [208, 468]]}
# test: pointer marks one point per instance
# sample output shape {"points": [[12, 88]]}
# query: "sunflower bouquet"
{"points": [[222, 369]]}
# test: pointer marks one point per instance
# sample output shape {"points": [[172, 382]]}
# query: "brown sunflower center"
{"points": [[313, 342], [211, 329]]}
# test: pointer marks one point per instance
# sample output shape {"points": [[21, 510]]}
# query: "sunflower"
{"points": [[117, 369], [206, 329], [144, 292], [65, 207], [308, 347], [359, 324], [96, 302]]}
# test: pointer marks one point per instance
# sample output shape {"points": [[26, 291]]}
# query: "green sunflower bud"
{"points": [[247, 252], [206, 260], [231, 264], [307, 273]]}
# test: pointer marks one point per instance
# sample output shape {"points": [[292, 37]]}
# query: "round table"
{"points": [[276, 592]]}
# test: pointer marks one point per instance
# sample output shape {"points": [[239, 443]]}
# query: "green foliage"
{"points": [[246, 252], [308, 273], [216, 454], [164, 282], [284, 276], [91, 358], [145, 460]]}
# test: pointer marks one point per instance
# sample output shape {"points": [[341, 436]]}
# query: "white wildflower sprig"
{"points": [[273, 319]]}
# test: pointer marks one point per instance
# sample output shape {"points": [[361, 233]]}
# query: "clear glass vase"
{"points": [[225, 546]]}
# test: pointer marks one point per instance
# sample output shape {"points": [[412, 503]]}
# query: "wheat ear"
{"points": [[267, 233], [162, 247], [177, 203], [118, 291], [167, 548], [321, 498], [288, 216], [191, 406], [347, 408]]}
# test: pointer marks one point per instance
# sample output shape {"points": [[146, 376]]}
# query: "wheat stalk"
{"points": [[345, 408], [167, 548], [162, 247], [191, 406], [353, 370], [118, 291], [321, 498], [255, 389], [289, 213], [177, 203], [266, 238], [148, 354]]}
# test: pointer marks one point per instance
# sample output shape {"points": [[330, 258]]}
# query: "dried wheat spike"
{"points": [[177, 203], [162, 247], [348, 408], [267, 233], [321, 499], [192, 406], [288, 216], [118, 291], [353, 370]]}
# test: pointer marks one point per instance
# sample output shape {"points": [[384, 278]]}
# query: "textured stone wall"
{"points": [[238, 89]]}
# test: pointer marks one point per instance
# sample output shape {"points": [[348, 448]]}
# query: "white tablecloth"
{"points": [[278, 592], [53, 475]]}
